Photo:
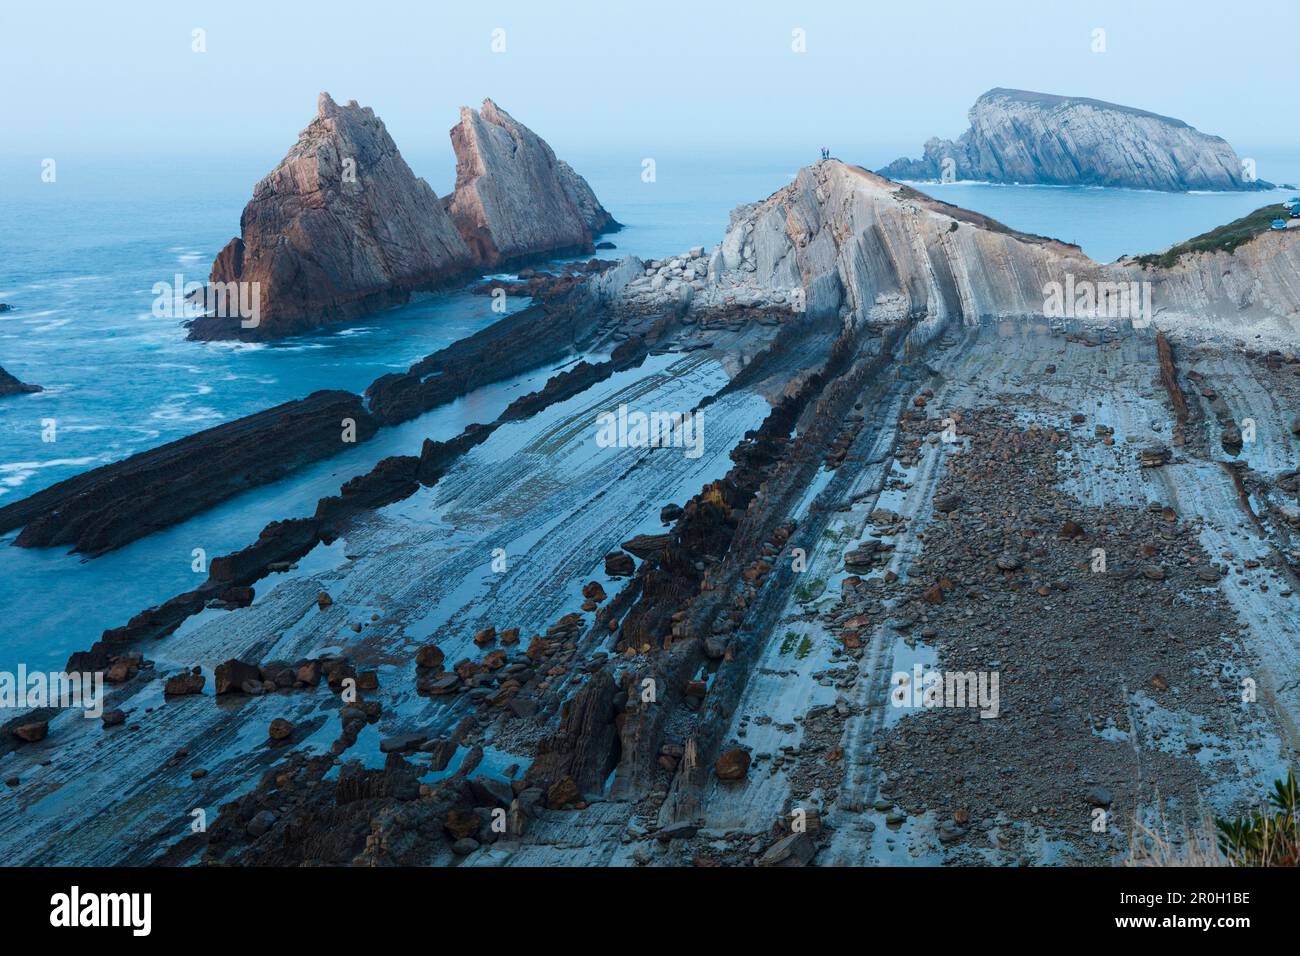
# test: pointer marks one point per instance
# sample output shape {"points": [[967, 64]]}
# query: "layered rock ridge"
{"points": [[514, 200], [840, 240], [1018, 136], [340, 227]]}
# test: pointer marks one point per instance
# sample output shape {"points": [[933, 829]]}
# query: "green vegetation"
{"points": [[805, 648], [1266, 838], [787, 645], [810, 591], [1223, 239]]}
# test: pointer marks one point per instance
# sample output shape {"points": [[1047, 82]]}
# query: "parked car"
{"points": [[1295, 211], [1278, 224], [1292, 202]]}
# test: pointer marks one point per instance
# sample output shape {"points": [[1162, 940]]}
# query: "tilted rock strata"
{"points": [[1018, 136], [1257, 286], [513, 199], [110, 506], [842, 241], [340, 227]]}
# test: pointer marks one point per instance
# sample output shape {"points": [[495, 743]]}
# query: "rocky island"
{"points": [[342, 227], [1018, 136]]}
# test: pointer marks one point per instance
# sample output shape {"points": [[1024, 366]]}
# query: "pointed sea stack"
{"points": [[514, 200], [339, 228]]}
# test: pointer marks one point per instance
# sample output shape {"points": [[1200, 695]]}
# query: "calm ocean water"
{"points": [[79, 258]]}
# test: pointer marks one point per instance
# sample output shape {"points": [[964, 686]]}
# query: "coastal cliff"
{"points": [[1253, 286], [514, 200], [340, 227], [840, 240], [1017, 136]]}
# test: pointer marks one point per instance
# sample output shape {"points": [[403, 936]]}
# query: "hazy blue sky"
{"points": [[121, 78]]}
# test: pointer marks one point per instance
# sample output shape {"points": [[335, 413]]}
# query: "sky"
{"points": [[123, 79]]}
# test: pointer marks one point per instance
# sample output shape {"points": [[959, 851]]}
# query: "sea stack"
{"points": [[1017, 136], [339, 228], [514, 200], [11, 386]]}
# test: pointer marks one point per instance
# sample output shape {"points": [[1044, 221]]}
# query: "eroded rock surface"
{"points": [[340, 227], [513, 199]]}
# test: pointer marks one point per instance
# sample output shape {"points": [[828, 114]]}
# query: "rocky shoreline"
{"points": [[107, 507], [909, 466]]}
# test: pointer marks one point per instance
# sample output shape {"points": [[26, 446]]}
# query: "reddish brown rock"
{"points": [[308, 673], [562, 793], [185, 684], [339, 228], [619, 565], [429, 655], [230, 676], [32, 732], [733, 764], [461, 824]]}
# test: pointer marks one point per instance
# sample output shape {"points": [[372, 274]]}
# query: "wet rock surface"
{"points": [[679, 663]]}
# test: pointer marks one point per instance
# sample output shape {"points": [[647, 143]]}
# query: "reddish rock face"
{"points": [[733, 764], [340, 227], [513, 199]]}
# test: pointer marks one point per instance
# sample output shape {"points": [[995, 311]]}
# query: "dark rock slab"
{"points": [[108, 507]]}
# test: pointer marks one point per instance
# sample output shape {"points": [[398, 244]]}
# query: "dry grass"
{"points": [[1195, 846], [1268, 837]]}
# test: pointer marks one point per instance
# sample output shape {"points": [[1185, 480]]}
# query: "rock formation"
{"points": [[340, 227], [843, 241], [11, 386], [1256, 285], [110, 506], [1021, 137], [513, 199]]}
